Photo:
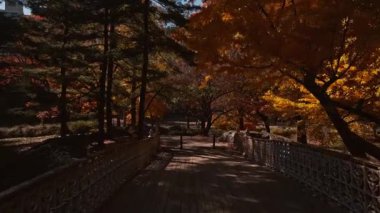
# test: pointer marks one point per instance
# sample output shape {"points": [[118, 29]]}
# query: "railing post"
{"points": [[213, 141], [181, 141]]}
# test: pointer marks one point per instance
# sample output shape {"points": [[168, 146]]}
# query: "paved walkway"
{"points": [[200, 179]]}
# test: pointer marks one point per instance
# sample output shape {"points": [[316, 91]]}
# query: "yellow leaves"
{"points": [[238, 36], [343, 66], [378, 92], [282, 104], [226, 17], [161, 62], [124, 29], [226, 123], [292, 100], [205, 81], [354, 83], [303, 89]]}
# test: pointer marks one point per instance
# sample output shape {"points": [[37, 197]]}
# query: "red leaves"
{"points": [[9, 73]]}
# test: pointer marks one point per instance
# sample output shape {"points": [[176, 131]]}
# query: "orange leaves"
{"points": [[156, 108], [205, 82], [328, 47], [226, 17]]}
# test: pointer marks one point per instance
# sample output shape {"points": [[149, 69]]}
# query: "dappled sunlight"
{"points": [[201, 179], [189, 105]]}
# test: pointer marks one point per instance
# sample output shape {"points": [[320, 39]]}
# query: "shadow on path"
{"points": [[201, 179]]}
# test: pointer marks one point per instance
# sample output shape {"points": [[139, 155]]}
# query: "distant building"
{"points": [[13, 7]]}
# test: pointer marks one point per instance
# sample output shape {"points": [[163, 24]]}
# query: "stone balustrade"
{"points": [[83, 185], [351, 183]]}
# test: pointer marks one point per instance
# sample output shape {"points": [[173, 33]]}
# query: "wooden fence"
{"points": [[84, 185]]}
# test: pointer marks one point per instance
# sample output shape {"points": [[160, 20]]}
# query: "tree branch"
{"points": [[338, 76], [358, 111], [291, 76], [220, 115]]}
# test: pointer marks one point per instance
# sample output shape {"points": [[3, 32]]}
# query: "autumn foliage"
{"points": [[322, 58]]}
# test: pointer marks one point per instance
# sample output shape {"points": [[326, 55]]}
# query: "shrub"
{"points": [[80, 127], [76, 127], [217, 132], [191, 132], [40, 130], [176, 128], [287, 132], [29, 131], [164, 130], [18, 116]]}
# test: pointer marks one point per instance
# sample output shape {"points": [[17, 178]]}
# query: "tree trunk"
{"points": [[265, 120], [63, 116], [133, 100], [208, 125], [110, 79], [144, 73], [350, 139], [376, 132], [102, 82], [301, 131], [188, 122], [133, 112], [267, 126], [241, 120], [203, 125], [355, 144], [118, 121], [124, 119]]}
